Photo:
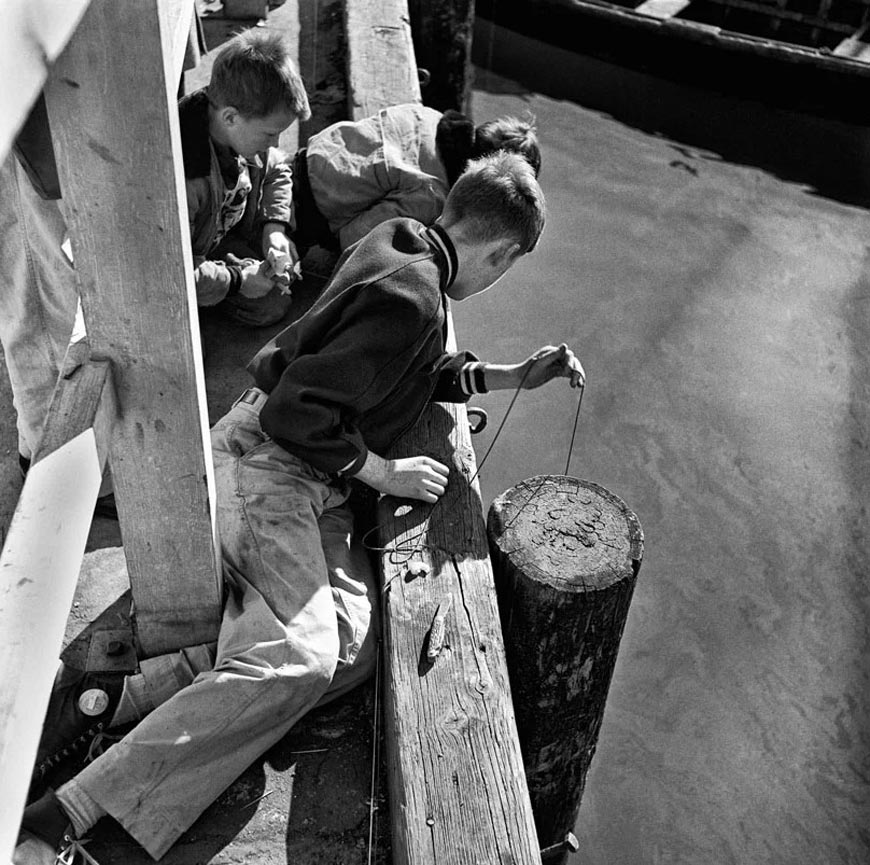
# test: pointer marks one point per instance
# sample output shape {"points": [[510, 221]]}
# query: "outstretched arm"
{"points": [[545, 364]]}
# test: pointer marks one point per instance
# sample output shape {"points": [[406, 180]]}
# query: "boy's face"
{"points": [[249, 136]]}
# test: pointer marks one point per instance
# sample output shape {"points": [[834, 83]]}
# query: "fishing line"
{"points": [[574, 431], [408, 548]]}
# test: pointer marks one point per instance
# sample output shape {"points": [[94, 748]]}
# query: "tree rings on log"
{"points": [[565, 555]]}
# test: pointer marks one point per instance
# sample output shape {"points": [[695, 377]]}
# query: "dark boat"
{"points": [[804, 55]]}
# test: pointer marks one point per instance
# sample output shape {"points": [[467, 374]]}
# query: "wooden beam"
{"points": [[83, 398], [39, 565], [442, 42], [121, 175], [33, 34], [177, 21], [776, 13], [458, 789], [662, 8], [855, 47], [381, 69]]}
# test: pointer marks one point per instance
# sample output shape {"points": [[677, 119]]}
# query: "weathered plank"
{"points": [[856, 46], [662, 8], [121, 175], [39, 568], [84, 398], [458, 790], [178, 22], [381, 69], [34, 32]]}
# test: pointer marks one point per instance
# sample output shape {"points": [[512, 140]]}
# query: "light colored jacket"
{"points": [[367, 171]]}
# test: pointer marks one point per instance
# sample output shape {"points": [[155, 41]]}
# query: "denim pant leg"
{"points": [[277, 648], [38, 298]]}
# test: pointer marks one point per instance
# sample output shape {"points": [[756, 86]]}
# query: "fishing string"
{"points": [[574, 431], [408, 548]]}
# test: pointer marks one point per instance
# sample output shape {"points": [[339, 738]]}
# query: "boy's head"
{"points": [[495, 213], [255, 92], [509, 133]]}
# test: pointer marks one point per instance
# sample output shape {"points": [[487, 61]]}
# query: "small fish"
{"points": [[436, 632]]}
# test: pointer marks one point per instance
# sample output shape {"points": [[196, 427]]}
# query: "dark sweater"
{"points": [[357, 370]]}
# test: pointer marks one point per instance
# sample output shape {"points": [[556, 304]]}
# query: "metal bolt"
{"points": [[569, 844]]}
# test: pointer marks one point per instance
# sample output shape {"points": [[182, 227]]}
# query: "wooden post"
{"points": [[457, 787], [111, 101], [566, 553], [458, 792], [442, 32], [381, 69]]}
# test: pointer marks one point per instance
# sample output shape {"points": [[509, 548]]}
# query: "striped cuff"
{"points": [[472, 379]]}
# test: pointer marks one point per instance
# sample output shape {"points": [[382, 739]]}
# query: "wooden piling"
{"points": [[565, 554], [442, 31]]}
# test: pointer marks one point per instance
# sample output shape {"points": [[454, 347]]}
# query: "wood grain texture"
{"points": [[120, 172], [458, 792], [566, 553], [84, 398], [381, 69]]}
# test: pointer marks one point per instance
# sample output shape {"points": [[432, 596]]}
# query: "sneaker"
{"points": [[80, 708], [46, 833]]}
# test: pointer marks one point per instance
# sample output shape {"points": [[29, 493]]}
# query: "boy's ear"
{"points": [[228, 115], [505, 253]]}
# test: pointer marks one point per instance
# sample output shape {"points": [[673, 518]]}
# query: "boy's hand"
{"points": [[412, 477], [282, 269], [548, 363], [281, 254], [255, 281]]}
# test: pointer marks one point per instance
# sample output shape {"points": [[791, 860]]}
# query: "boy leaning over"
{"points": [[333, 392], [239, 184]]}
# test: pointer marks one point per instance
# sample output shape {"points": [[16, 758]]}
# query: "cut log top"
{"points": [[571, 534]]}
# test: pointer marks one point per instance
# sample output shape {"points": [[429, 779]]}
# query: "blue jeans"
{"points": [[296, 630]]}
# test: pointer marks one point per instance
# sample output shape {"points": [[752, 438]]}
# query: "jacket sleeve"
{"points": [[460, 375], [214, 280], [276, 203]]}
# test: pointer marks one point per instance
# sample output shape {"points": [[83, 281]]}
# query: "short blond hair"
{"points": [[254, 74], [509, 133], [498, 196]]}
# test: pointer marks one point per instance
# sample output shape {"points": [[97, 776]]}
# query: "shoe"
{"points": [[80, 709], [46, 833]]}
